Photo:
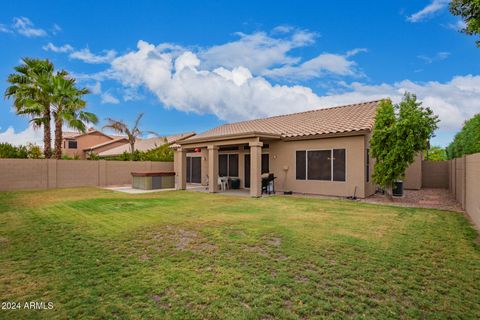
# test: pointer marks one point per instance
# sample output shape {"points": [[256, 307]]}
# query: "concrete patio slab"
{"points": [[129, 189]]}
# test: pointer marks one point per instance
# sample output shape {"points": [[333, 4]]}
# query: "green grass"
{"points": [[101, 255]]}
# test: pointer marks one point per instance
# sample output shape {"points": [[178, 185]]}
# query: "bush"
{"points": [[30, 151], [162, 153], [467, 141], [435, 153]]}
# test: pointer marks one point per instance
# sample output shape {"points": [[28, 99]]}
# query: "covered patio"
{"points": [[240, 158]]}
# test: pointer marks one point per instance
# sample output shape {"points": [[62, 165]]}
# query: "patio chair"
{"points": [[223, 183]]}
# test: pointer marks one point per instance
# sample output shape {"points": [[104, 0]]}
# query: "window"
{"points": [[265, 163], [72, 144], [233, 165], [338, 162], [301, 161], [324, 165], [367, 173], [228, 165], [319, 166]]}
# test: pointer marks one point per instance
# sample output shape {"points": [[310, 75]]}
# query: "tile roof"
{"points": [[106, 143], [146, 144], [76, 134], [342, 119]]}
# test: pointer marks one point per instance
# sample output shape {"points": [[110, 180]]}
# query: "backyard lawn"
{"points": [[97, 254]]}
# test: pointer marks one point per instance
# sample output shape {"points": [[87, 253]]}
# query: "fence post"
{"points": [[52, 173], [102, 173]]}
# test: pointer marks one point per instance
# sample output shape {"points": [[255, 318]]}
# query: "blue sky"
{"points": [[192, 65]]}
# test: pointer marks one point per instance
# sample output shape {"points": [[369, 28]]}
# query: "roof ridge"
{"points": [[306, 111]]}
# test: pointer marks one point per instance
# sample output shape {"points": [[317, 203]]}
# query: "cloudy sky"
{"points": [[192, 65]]}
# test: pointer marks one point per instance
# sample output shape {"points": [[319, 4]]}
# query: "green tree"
{"points": [[67, 105], [26, 88], [467, 141], [399, 133], [161, 153], [469, 10], [132, 133], [10, 151], [435, 153], [33, 151]]}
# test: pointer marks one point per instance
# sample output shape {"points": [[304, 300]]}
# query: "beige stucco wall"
{"points": [[464, 184], [370, 186], [282, 164], [413, 174], [472, 187], [435, 174], [17, 174]]}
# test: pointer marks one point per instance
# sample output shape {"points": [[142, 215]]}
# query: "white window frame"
{"points": [[331, 166]]}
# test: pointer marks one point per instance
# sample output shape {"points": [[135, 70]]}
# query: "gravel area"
{"points": [[423, 198]]}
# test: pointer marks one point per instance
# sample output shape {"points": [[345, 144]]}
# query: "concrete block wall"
{"points": [[464, 178], [18, 174]]}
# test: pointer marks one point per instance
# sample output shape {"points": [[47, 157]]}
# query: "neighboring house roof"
{"points": [[74, 134], [146, 144], [335, 120], [106, 143]]}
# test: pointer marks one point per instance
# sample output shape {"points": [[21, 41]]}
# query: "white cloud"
{"points": [[457, 26], [109, 98], [29, 135], [432, 8], [282, 29], [453, 101], [235, 93], [5, 29], [56, 29], [87, 56], [61, 49], [26, 27], [95, 88], [317, 67], [439, 56], [257, 51]]}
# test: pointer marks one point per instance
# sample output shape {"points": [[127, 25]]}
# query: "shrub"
{"points": [[467, 141], [10, 151]]}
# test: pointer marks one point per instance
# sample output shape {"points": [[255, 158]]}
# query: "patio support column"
{"points": [[212, 168], [256, 168], [181, 167]]}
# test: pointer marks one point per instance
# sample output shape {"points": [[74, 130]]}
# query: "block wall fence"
{"points": [[23, 174]]}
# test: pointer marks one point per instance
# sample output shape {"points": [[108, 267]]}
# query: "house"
{"points": [[76, 144], [94, 141], [145, 144], [323, 152]]}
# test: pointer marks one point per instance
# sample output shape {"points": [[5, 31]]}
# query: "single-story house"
{"points": [[323, 152], [145, 144]]}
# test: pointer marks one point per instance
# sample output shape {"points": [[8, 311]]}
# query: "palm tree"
{"points": [[132, 133], [67, 107], [30, 98]]}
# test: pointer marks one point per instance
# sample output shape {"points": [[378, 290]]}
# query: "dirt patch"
{"points": [[275, 241], [170, 237], [4, 241], [423, 198], [269, 246]]}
